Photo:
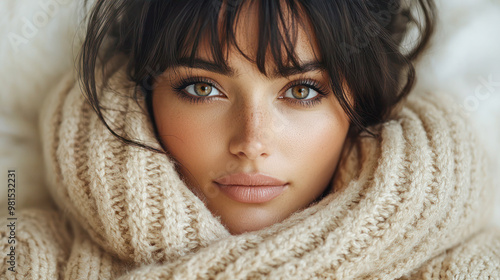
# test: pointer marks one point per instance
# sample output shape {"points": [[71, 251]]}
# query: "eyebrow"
{"points": [[198, 63]]}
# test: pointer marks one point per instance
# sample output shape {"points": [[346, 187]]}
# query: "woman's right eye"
{"points": [[202, 90]]}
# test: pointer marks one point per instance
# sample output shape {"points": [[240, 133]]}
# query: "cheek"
{"points": [[314, 146], [316, 137], [187, 135]]}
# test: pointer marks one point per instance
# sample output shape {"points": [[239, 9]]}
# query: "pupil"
{"points": [[203, 89], [301, 92]]}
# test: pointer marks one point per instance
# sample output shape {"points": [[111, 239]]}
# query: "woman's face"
{"points": [[255, 149]]}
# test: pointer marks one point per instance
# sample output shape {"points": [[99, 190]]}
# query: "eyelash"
{"points": [[313, 84], [180, 87], [322, 90]]}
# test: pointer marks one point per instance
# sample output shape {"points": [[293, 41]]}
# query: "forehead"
{"points": [[295, 33], [296, 29]]}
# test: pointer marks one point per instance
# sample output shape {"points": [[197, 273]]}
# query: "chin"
{"points": [[247, 220]]}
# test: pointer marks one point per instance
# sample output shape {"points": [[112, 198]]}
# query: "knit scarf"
{"points": [[412, 202]]}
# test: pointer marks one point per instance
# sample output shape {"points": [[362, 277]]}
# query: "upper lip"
{"points": [[249, 179]]}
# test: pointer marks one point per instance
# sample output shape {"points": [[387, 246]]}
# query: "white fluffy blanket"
{"points": [[39, 43]]}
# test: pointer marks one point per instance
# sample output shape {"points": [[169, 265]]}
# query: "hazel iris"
{"points": [[202, 89], [300, 92]]}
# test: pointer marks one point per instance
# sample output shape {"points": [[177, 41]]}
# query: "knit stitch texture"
{"points": [[413, 203]]}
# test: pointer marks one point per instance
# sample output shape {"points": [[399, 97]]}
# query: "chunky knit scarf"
{"points": [[412, 203]]}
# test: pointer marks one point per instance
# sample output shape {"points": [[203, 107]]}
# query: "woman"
{"points": [[256, 139]]}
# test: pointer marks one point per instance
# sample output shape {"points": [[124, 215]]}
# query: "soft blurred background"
{"points": [[464, 60], [39, 42]]}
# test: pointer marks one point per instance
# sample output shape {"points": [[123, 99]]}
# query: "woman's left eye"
{"points": [[301, 92], [202, 90]]}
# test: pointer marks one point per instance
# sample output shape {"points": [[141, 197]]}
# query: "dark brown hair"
{"points": [[360, 44]]}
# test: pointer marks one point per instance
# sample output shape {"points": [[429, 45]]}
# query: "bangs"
{"points": [[358, 44], [213, 25]]}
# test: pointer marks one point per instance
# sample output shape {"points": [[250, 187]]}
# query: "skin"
{"points": [[250, 123]]}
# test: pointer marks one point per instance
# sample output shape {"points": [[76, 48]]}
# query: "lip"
{"points": [[251, 187]]}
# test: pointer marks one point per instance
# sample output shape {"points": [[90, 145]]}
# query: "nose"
{"points": [[251, 137]]}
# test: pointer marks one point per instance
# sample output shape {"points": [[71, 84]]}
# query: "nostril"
{"points": [[250, 150], [249, 141]]}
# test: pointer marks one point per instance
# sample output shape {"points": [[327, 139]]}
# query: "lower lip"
{"points": [[252, 194]]}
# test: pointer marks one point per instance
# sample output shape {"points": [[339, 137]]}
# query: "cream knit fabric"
{"points": [[413, 204]]}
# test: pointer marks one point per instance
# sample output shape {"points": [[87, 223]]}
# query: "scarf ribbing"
{"points": [[401, 201]]}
